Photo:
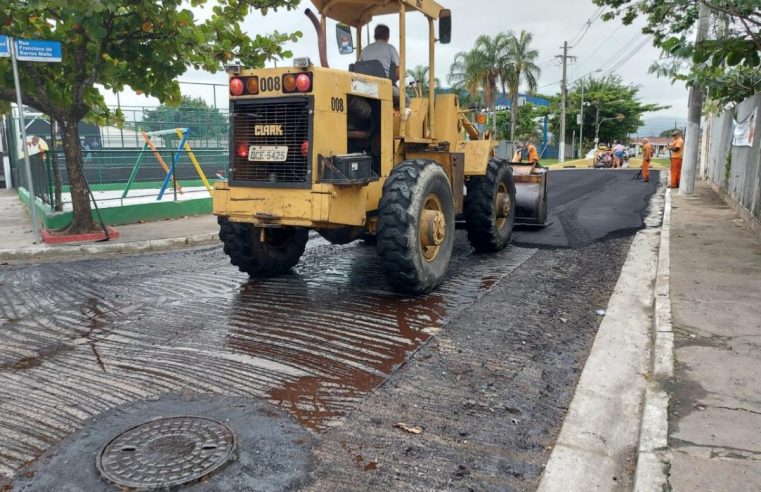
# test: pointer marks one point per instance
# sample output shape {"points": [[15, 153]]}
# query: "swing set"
{"points": [[184, 135]]}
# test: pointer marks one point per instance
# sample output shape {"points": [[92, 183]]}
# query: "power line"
{"points": [[629, 55], [586, 27], [603, 43]]}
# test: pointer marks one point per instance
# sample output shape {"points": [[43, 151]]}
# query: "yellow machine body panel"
{"points": [[323, 205]]}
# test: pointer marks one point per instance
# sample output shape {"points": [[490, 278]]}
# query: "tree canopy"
{"points": [[420, 75], [727, 62], [193, 113], [503, 61], [527, 123], [611, 97], [143, 44]]}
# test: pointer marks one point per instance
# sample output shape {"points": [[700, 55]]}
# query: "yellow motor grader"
{"points": [[333, 150]]}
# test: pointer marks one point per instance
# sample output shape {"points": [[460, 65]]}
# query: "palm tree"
{"points": [[420, 75], [462, 76], [484, 67], [520, 68]]}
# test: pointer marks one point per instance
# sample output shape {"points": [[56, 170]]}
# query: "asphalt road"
{"points": [[485, 366]]}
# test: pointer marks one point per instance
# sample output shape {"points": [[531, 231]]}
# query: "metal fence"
{"points": [[121, 167], [735, 169]]}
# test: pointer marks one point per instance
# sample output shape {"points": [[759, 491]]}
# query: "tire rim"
{"points": [[502, 206], [433, 227]]}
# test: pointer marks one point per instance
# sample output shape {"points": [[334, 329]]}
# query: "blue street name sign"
{"points": [[37, 50], [5, 47]]}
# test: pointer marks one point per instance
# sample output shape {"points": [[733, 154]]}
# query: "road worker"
{"points": [[647, 155], [533, 155], [677, 151]]}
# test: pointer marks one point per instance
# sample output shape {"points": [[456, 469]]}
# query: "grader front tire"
{"points": [[262, 254], [416, 226], [490, 207]]}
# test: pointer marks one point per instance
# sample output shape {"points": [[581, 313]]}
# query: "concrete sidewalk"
{"points": [[714, 419], [17, 239]]}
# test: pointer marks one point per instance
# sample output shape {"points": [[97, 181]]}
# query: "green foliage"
{"points": [[202, 120], [727, 62], [420, 75], [503, 61], [521, 68], [143, 44], [612, 97], [482, 68], [728, 168], [527, 124]]}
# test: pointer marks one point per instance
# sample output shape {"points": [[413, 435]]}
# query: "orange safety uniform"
{"points": [[677, 151], [647, 155], [533, 155]]}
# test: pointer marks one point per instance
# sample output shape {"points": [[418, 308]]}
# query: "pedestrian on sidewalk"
{"points": [[647, 155], [677, 151]]}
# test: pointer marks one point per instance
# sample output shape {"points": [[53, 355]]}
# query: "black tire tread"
{"points": [[479, 209], [241, 244], [394, 246]]}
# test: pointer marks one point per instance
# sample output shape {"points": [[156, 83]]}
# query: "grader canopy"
{"points": [[357, 13]]}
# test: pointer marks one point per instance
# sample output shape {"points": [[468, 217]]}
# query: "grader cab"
{"points": [[334, 151]]}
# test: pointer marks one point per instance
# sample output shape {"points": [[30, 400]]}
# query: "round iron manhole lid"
{"points": [[166, 452]]}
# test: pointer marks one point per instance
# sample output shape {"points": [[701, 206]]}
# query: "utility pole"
{"points": [[561, 150], [563, 96], [695, 110], [581, 122]]}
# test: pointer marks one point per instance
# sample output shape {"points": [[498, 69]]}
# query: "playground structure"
{"points": [[184, 135]]}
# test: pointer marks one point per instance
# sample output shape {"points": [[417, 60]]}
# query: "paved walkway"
{"points": [[715, 409], [17, 239]]}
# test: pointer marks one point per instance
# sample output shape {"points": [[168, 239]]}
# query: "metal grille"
{"points": [[294, 116]]}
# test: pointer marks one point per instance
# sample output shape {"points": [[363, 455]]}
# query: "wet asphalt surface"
{"points": [[328, 355]]}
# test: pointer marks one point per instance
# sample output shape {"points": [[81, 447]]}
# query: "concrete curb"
{"points": [[45, 251], [597, 448], [654, 455]]}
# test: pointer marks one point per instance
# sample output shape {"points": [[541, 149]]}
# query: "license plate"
{"points": [[268, 153]]}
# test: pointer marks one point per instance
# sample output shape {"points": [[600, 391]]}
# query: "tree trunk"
{"points": [[513, 114], [82, 221], [57, 178]]}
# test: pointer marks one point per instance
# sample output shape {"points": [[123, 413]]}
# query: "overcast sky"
{"points": [[604, 46]]}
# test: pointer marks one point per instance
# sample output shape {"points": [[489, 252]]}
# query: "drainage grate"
{"points": [[166, 452]]}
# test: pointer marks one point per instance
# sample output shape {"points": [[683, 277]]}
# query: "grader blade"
{"points": [[530, 195]]}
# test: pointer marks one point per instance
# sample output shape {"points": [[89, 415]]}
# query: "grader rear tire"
{"points": [[416, 226], [490, 207], [277, 254]]}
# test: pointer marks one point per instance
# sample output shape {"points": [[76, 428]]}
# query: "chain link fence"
{"points": [[128, 164]]}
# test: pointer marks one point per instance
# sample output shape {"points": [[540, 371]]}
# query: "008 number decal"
{"points": [[269, 84], [337, 104]]}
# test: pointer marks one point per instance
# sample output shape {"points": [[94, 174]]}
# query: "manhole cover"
{"points": [[166, 452]]}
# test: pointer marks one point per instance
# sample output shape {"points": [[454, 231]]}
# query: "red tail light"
{"points": [[305, 148], [242, 151], [236, 86], [303, 82]]}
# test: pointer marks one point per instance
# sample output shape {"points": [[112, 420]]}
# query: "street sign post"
{"points": [[5, 47], [37, 50], [33, 50]]}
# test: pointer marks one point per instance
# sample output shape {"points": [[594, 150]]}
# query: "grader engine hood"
{"points": [[293, 159], [272, 142]]}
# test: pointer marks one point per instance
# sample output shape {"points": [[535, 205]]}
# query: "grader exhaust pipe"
{"points": [[321, 42]]}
